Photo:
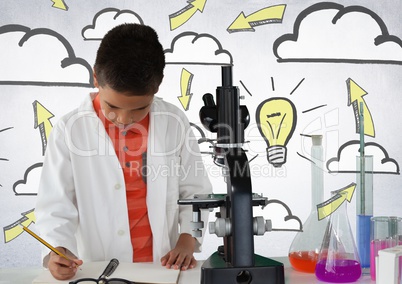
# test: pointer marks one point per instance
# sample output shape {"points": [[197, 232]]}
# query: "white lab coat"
{"points": [[81, 201]]}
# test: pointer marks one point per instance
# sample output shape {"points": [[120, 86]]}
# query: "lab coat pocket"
{"points": [[173, 179]]}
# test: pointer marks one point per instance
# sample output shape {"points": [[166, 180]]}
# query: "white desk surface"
{"points": [[26, 275]]}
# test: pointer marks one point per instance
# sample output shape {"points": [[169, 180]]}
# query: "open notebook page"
{"points": [[137, 272]]}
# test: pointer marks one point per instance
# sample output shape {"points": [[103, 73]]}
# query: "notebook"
{"points": [[137, 272]]}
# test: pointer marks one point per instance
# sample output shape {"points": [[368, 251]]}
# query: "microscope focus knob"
{"points": [[260, 226], [196, 228], [221, 227], [268, 225], [196, 233]]}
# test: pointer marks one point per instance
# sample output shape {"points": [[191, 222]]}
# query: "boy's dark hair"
{"points": [[130, 58]]}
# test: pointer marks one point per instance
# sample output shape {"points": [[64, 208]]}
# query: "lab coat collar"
{"points": [[86, 108]]}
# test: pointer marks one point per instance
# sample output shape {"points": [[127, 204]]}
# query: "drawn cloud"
{"points": [[30, 183], [345, 162], [281, 216], [40, 57], [107, 19], [202, 49], [330, 32]]}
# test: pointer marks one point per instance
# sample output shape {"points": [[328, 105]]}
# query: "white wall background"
{"points": [[35, 37]]}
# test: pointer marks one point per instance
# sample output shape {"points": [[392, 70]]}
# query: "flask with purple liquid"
{"points": [[338, 260]]}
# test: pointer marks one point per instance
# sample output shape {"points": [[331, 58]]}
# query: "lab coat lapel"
{"points": [[156, 181], [104, 143]]}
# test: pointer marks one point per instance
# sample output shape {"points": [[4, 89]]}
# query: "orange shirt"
{"points": [[131, 146]]}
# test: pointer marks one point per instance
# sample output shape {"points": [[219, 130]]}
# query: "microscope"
{"points": [[235, 261]]}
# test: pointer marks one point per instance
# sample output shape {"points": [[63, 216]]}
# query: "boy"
{"points": [[116, 166]]}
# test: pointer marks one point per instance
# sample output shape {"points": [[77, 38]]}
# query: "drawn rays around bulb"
{"points": [[2, 130], [8, 128], [307, 135], [276, 120], [314, 108], [4, 159], [302, 156]]}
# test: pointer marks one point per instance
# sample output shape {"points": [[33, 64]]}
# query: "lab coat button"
{"points": [[120, 232], [117, 186]]}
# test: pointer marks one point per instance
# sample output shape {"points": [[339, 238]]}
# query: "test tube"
{"points": [[364, 207]]}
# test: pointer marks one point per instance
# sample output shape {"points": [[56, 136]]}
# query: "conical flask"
{"points": [[303, 252], [338, 261]]}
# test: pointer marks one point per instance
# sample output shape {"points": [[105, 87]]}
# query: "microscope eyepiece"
{"points": [[208, 100]]}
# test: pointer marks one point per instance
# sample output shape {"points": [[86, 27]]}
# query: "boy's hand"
{"points": [[181, 257], [61, 268]]}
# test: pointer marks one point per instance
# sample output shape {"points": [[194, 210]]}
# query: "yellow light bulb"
{"points": [[276, 120]]}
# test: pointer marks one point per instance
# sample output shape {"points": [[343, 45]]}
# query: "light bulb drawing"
{"points": [[276, 120]]}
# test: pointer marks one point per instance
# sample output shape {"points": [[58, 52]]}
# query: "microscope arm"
{"points": [[241, 240]]}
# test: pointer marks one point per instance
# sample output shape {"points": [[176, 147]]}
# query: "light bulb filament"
{"points": [[275, 129], [274, 114]]}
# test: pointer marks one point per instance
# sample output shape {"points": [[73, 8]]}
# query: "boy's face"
{"points": [[124, 109]]}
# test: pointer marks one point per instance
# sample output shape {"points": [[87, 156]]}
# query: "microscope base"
{"points": [[216, 271]]}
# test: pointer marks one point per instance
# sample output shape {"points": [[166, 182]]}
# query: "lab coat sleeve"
{"points": [[194, 180], [56, 211]]}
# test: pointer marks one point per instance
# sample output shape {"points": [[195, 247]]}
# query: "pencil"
{"points": [[45, 243]]}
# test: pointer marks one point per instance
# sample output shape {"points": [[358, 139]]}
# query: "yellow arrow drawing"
{"points": [[355, 97], [328, 207], [185, 86], [273, 14], [14, 230], [59, 4], [42, 120], [179, 18]]}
